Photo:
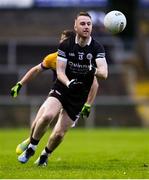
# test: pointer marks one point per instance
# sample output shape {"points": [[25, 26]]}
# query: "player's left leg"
{"points": [[61, 127]]}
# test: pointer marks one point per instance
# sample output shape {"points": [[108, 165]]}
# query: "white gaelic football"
{"points": [[115, 22]]}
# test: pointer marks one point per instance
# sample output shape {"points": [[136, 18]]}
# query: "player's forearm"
{"points": [[31, 74], [93, 92], [63, 78], [60, 70], [102, 73], [91, 99]]}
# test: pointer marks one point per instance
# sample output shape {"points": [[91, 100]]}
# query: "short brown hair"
{"points": [[83, 13]]}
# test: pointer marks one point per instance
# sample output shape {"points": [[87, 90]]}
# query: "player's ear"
{"points": [[75, 26]]}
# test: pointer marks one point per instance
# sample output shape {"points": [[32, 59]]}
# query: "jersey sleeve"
{"points": [[100, 52], [49, 62], [62, 52]]}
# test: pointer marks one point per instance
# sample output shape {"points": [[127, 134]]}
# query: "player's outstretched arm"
{"points": [[91, 97], [32, 73]]}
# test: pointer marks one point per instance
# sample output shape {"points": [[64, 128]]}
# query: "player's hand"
{"points": [[74, 84], [86, 110], [15, 90]]}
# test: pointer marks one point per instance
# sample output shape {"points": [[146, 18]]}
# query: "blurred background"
{"points": [[30, 29]]}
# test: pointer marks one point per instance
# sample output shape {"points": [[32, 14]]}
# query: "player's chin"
{"points": [[85, 34]]}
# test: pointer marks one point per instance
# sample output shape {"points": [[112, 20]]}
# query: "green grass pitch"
{"points": [[84, 153]]}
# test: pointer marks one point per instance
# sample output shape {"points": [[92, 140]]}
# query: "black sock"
{"points": [[34, 141], [48, 151]]}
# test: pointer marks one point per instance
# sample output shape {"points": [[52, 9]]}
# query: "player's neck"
{"points": [[82, 41]]}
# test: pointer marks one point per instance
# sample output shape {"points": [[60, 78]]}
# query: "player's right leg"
{"points": [[51, 108], [63, 124]]}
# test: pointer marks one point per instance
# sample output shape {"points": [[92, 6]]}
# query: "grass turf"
{"points": [[85, 153]]}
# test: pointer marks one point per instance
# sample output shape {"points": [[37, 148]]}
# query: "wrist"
{"points": [[87, 105], [67, 83], [19, 83]]}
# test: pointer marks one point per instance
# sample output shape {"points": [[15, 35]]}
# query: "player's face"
{"points": [[83, 26], [63, 37]]}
